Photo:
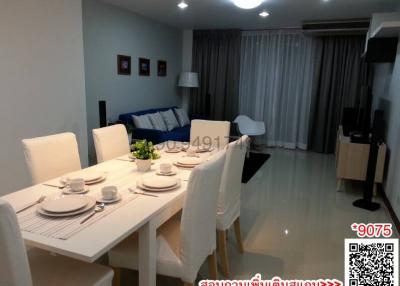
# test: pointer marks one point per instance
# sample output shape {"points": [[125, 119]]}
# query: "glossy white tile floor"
{"points": [[294, 222]]}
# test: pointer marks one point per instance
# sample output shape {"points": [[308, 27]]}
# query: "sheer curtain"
{"points": [[276, 75]]}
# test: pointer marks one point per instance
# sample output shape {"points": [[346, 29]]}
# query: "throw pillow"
{"points": [[142, 121], [169, 119], [157, 121], [182, 116]]}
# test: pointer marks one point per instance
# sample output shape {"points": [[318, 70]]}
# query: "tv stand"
{"points": [[352, 161]]}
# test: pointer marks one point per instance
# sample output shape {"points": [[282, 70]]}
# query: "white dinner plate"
{"points": [[176, 150], [88, 176], [203, 149], [189, 161], [184, 166], [154, 182], [91, 202], [64, 204], [140, 185], [100, 199], [89, 179]]}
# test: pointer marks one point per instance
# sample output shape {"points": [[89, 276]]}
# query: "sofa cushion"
{"points": [[182, 117], [157, 121], [170, 119], [142, 121]]}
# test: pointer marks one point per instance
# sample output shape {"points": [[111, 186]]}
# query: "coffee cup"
{"points": [[165, 168], [109, 192], [191, 152], [77, 184]]}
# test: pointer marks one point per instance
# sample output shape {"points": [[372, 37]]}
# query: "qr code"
{"points": [[371, 262]]}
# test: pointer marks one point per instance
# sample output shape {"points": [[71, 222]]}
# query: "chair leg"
{"points": [[223, 252], [117, 277], [238, 234], [212, 266]]}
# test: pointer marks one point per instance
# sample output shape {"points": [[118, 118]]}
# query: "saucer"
{"points": [[172, 173], [100, 199], [69, 191]]}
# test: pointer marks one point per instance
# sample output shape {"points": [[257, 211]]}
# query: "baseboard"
{"points": [[389, 207]]}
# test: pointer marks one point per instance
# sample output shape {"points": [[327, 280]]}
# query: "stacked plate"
{"points": [[173, 150], [64, 206], [158, 184], [188, 162], [203, 149], [90, 177]]}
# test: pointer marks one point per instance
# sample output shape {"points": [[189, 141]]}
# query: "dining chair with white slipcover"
{"points": [[228, 210], [184, 242], [37, 267], [51, 156], [209, 132], [111, 142]]}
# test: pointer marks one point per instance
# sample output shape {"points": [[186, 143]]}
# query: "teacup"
{"points": [[77, 184], [191, 152], [109, 192], [165, 168]]}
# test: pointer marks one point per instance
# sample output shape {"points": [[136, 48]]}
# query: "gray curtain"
{"points": [[216, 58], [341, 75]]}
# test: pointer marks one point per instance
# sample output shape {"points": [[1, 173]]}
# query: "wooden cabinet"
{"points": [[352, 160]]}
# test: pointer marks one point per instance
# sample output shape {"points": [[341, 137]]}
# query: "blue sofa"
{"points": [[156, 136]]}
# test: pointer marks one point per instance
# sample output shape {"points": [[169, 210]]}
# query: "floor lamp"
{"points": [[187, 80]]}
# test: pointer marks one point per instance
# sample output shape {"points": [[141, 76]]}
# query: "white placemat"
{"points": [[64, 228]]}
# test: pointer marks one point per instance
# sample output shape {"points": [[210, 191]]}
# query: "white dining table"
{"points": [[143, 214]]}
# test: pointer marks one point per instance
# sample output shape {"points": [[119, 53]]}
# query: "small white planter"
{"points": [[143, 165]]}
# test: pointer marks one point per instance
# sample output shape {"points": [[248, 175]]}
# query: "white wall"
{"points": [[42, 88], [387, 97], [109, 31]]}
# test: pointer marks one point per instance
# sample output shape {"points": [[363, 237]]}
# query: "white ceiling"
{"points": [[222, 14]]}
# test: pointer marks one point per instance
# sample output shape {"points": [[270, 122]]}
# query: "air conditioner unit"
{"points": [[336, 27], [382, 38]]}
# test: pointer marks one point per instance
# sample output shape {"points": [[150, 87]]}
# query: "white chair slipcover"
{"points": [[38, 267], [111, 142], [51, 156], [183, 243], [231, 183], [250, 127], [204, 132]]}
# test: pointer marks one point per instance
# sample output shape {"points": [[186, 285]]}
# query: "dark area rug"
{"points": [[253, 164]]}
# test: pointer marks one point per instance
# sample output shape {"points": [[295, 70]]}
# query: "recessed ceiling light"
{"points": [[183, 5], [264, 14], [247, 4]]}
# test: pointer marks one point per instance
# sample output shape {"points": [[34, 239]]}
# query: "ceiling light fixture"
{"points": [[183, 5], [247, 4], [264, 14]]}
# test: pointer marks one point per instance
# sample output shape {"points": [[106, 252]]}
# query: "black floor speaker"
{"points": [[376, 139], [103, 113]]}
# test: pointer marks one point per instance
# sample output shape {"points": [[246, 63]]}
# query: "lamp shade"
{"points": [[188, 79]]}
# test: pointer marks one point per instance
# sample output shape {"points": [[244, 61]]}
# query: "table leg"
{"points": [[339, 185], [147, 255]]}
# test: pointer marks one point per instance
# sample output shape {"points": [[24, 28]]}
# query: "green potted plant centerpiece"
{"points": [[144, 152]]}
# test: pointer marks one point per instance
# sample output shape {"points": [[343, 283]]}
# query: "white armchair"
{"points": [[250, 127]]}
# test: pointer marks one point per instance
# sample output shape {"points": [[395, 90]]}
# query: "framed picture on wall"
{"points": [[144, 67], [162, 68], [124, 65]]}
